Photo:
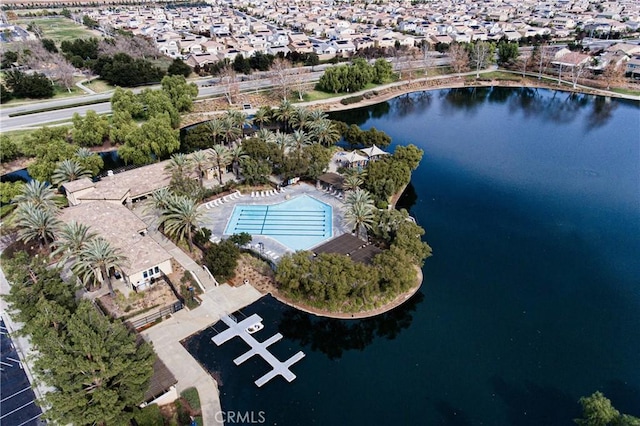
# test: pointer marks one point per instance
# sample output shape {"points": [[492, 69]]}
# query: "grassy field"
{"points": [[59, 29], [99, 86]]}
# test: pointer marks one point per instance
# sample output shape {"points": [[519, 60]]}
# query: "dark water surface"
{"points": [[531, 202]]}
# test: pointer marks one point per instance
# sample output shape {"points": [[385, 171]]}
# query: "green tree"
{"points": [[36, 223], [49, 45], [89, 160], [196, 138], [237, 155], [90, 130], [70, 239], [181, 219], [23, 85], [48, 156], [95, 261], [181, 93], [507, 53], [178, 67], [221, 158], [99, 370], [360, 211], [122, 125], [126, 101], [221, 259], [597, 411], [179, 165], [9, 150], [155, 137], [410, 155], [9, 191], [38, 193], [263, 116], [284, 114], [255, 171], [67, 171], [158, 102], [325, 132], [382, 71]]}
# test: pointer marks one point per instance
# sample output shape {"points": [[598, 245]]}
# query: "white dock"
{"points": [[257, 348]]}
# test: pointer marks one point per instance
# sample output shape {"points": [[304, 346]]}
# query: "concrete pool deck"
{"points": [[217, 217]]}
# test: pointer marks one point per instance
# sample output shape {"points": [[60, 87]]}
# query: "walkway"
{"points": [[167, 335], [205, 280]]}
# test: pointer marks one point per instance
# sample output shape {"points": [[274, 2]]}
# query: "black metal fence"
{"points": [[154, 316]]}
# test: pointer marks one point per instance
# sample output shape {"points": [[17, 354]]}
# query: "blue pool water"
{"points": [[299, 223]]}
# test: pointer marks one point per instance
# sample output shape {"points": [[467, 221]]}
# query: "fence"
{"points": [[154, 316]]}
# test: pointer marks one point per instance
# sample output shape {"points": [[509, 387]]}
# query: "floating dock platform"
{"points": [[279, 368]]}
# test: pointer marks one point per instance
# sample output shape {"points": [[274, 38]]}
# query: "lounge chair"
{"points": [[253, 194], [240, 194], [207, 206]]}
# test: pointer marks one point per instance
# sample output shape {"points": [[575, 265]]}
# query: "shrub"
{"points": [[149, 416], [192, 397], [351, 100]]}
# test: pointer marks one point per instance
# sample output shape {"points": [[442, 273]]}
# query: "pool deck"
{"points": [[216, 217], [279, 368]]}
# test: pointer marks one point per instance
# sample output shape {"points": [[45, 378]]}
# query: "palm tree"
{"points": [[94, 262], [317, 115], [230, 130], [263, 116], [301, 118], [360, 211], [40, 194], [181, 219], [325, 132], [68, 171], [179, 165], [284, 141], [284, 113], [36, 223], [221, 157], [265, 135], [237, 155], [71, 238], [216, 128], [239, 119], [352, 182], [298, 141], [200, 162]]}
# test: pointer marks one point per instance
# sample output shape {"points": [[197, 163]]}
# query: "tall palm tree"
{"points": [[301, 118], [68, 171], [325, 132], [317, 115], [200, 162], [284, 113], [284, 141], [221, 157], [360, 211], [263, 116], [230, 131], [299, 139], [264, 135], [352, 182], [216, 128], [239, 119], [237, 155], [71, 238], [179, 165], [182, 219], [36, 223], [95, 261], [40, 194]]}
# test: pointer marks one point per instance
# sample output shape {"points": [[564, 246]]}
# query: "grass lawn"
{"points": [[626, 91], [99, 86], [316, 95], [59, 29]]}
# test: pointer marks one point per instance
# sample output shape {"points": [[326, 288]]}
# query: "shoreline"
{"points": [[397, 301]]}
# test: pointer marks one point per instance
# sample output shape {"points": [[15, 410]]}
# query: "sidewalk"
{"points": [[167, 335]]}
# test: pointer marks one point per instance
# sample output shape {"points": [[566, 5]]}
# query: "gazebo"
{"points": [[374, 153], [353, 159]]}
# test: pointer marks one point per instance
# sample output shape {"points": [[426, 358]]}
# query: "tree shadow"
{"points": [[333, 336], [623, 396], [534, 405]]}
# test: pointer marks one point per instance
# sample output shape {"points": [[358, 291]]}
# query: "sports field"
{"points": [[59, 29]]}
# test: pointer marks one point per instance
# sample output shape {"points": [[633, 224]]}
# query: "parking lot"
{"points": [[17, 400]]}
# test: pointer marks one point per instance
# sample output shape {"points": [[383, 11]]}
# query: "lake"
{"points": [[531, 202]]}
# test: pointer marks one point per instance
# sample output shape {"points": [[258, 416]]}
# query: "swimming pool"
{"points": [[299, 223]]}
